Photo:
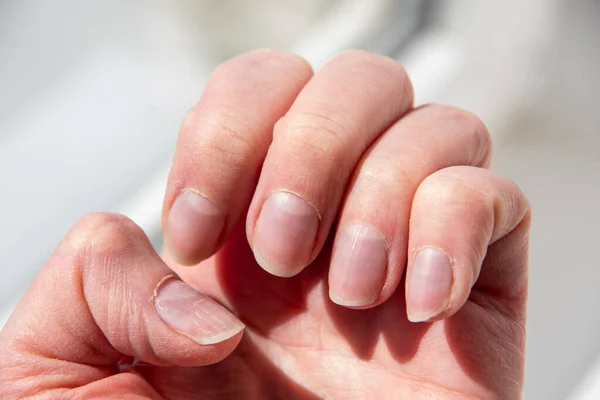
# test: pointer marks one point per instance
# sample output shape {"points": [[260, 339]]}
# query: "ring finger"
{"points": [[370, 247]]}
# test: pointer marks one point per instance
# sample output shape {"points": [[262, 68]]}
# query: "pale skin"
{"points": [[323, 239]]}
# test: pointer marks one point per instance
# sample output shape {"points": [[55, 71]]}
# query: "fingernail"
{"points": [[285, 234], [358, 267], [429, 285], [194, 227], [193, 314]]}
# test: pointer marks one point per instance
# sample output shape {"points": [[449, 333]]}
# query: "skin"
{"points": [[100, 319]]}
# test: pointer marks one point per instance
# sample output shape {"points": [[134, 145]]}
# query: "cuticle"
{"points": [[161, 283]]}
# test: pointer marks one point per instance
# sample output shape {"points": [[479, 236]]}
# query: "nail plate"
{"points": [[193, 314], [358, 267], [194, 227], [285, 234], [429, 284]]}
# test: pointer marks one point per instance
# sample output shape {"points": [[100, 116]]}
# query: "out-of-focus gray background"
{"points": [[92, 93]]}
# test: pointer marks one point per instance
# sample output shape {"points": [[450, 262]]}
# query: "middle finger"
{"points": [[336, 117]]}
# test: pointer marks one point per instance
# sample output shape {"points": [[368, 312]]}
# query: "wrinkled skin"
{"points": [[91, 324], [298, 344]]}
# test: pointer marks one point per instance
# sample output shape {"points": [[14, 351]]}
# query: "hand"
{"points": [[342, 188]]}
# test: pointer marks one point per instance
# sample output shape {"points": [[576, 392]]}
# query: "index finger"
{"points": [[222, 144]]}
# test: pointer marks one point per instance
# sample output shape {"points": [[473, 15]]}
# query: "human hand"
{"points": [[339, 185]]}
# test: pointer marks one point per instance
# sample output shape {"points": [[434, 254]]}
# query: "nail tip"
{"points": [[415, 319], [271, 269], [340, 301], [422, 316], [182, 260], [220, 337], [193, 314]]}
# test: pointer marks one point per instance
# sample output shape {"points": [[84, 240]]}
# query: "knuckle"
{"points": [[449, 187], [100, 236], [375, 65], [262, 58], [95, 253], [226, 138], [318, 134], [263, 54], [189, 122], [464, 119], [388, 173], [471, 124], [361, 56], [512, 207], [365, 58], [481, 194]]}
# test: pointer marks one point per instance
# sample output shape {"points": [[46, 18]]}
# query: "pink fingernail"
{"points": [[429, 284], [195, 315], [285, 234], [194, 227], [359, 265]]}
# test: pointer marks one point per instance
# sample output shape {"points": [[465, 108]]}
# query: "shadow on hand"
{"points": [[363, 329], [247, 374], [265, 302], [483, 341], [488, 346]]}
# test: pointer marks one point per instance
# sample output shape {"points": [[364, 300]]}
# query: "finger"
{"points": [[103, 295], [222, 144], [370, 247], [457, 213], [339, 113]]}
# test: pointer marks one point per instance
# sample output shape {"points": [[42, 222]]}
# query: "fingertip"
{"points": [[356, 304], [234, 335], [221, 148], [274, 269]]}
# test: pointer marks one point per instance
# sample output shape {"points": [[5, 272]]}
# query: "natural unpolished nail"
{"points": [[359, 265], [193, 314], [285, 234], [194, 226], [429, 284]]}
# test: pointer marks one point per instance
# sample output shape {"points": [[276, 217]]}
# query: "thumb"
{"points": [[105, 296]]}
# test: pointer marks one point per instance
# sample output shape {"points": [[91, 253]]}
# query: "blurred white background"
{"points": [[92, 93]]}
